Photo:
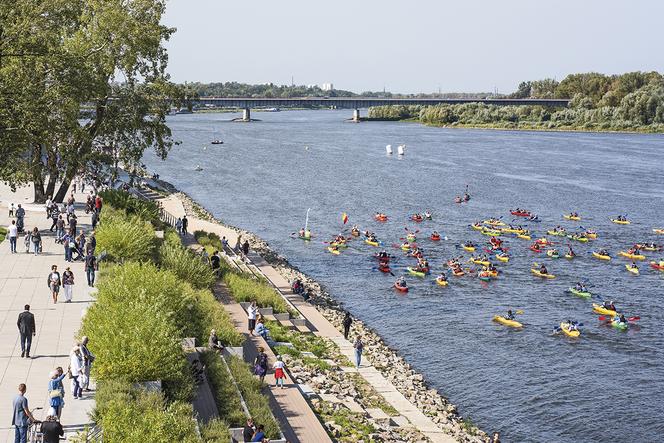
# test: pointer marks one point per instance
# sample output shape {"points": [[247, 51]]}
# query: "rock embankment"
{"points": [[385, 359]]}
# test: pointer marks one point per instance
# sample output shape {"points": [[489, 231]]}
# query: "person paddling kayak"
{"points": [[609, 305], [543, 270], [510, 315], [580, 287]]}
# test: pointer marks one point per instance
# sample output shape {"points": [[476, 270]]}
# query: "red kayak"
{"points": [[401, 288], [435, 238], [416, 218], [380, 218], [532, 248], [654, 265], [520, 213], [385, 268]]}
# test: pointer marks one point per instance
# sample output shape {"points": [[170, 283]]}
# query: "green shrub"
{"points": [[210, 314], [216, 431], [3, 233], [126, 238], [245, 289], [171, 237], [190, 268], [137, 416], [144, 209], [257, 403], [225, 393]]}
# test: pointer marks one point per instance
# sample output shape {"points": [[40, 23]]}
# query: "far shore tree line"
{"points": [[633, 101]]}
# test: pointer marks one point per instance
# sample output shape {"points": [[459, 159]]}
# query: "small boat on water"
{"points": [[198, 168], [217, 142]]}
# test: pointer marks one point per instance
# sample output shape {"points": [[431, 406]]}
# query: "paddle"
{"points": [[602, 318], [519, 312]]}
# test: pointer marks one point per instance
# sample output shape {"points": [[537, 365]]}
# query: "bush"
{"points": [[126, 238], [210, 314], [225, 393], [216, 431], [245, 289], [257, 403], [133, 415], [187, 266], [3, 234], [145, 209]]}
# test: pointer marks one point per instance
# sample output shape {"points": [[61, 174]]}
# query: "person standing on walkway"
{"points": [[185, 225], [75, 367], [346, 324], [67, 243], [11, 210], [94, 219], [68, 284], [54, 212], [245, 248], [99, 203], [26, 329], [22, 415], [59, 229], [359, 347], [87, 357], [252, 312], [178, 225], [90, 267], [12, 233], [279, 374], [215, 263], [55, 393], [260, 364], [72, 224], [36, 240], [54, 282], [91, 245], [20, 218]]}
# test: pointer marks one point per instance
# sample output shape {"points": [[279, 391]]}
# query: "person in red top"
{"points": [[99, 202], [279, 375]]}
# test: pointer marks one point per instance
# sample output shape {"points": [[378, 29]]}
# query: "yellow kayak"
{"points": [[477, 226], [591, 235], [503, 258], [493, 223], [491, 233], [632, 256], [442, 282], [334, 251], [600, 256], [572, 217], [568, 256], [469, 248], [504, 321], [371, 243], [620, 222], [479, 261], [539, 274], [633, 269], [564, 326], [556, 233], [524, 236], [405, 247], [599, 309]]}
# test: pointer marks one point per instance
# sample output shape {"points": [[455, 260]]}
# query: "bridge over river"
{"points": [[357, 103]]}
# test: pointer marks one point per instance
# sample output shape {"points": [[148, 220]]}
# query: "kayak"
{"points": [[632, 256], [634, 270], [385, 269], [524, 236], [380, 218], [543, 241], [479, 261], [371, 243], [401, 288], [304, 238], [599, 309], [659, 266], [532, 248], [355, 233], [477, 226], [601, 257], [442, 282], [583, 294], [619, 325], [591, 235], [539, 274], [579, 238], [339, 244], [569, 256], [493, 223], [553, 254], [416, 219], [503, 258], [556, 233], [458, 273], [416, 272], [435, 238], [405, 247], [650, 248], [572, 217], [491, 233], [565, 328], [334, 251], [468, 248], [658, 231], [507, 322], [511, 230], [520, 213], [411, 238], [620, 222]]}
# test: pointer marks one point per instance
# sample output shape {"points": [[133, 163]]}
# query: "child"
{"points": [[11, 210], [279, 375]]}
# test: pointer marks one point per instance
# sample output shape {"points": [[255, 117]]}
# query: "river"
{"points": [[529, 384]]}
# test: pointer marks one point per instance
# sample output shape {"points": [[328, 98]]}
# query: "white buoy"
{"points": [[388, 149], [401, 149]]}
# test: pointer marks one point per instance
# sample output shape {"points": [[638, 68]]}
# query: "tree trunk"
{"points": [[64, 186], [37, 179], [50, 186]]}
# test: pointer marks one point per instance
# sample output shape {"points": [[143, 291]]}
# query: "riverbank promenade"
{"points": [[23, 278]]}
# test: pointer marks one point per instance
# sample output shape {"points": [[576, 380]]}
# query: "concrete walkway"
{"points": [[23, 281], [321, 327]]}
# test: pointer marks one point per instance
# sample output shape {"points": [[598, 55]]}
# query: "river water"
{"points": [[529, 384]]}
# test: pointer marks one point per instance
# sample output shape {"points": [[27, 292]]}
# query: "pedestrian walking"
{"points": [[26, 330], [245, 247], [22, 415], [346, 324], [68, 244], [185, 225], [260, 364], [359, 347], [88, 358], [54, 282], [94, 219], [59, 229], [11, 210], [252, 311], [68, 284], [55, 393], [12, 233], [91, 245], [178, 225], [54, 214], [20, 217], [27, 240], [72, 223], [90, 267], [75, 367], [36, 240], [70, 211], [279, 372], [99, 203]]}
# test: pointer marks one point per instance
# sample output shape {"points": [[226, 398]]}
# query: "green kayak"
{"points": [[580, 293], [619, 325]]}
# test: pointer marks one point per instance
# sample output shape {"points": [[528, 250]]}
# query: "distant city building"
{"points": [[327, 86]]}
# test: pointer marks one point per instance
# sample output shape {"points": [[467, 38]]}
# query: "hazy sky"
{"points": [[411, 46]]}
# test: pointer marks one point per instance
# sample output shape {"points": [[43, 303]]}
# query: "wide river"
{"points": [[529, 384]]}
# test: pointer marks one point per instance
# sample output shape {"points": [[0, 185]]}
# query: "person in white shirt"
{"points": [[279, 374], [12, 233], [75, 367], [252, 312]]}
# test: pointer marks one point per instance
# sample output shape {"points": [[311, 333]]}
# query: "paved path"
{"points": [[322, 327], [23, 281]]}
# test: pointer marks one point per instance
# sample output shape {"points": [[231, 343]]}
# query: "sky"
{"points": [[411, 46]]}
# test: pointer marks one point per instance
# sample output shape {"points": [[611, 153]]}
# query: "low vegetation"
{"points": [[246, 289], [125, 238]]}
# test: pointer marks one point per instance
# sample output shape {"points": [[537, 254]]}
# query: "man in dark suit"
{"points": [[26, 327]]}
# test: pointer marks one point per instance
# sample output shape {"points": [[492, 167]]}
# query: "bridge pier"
{"points": [[246, 115], [356, 115]]}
